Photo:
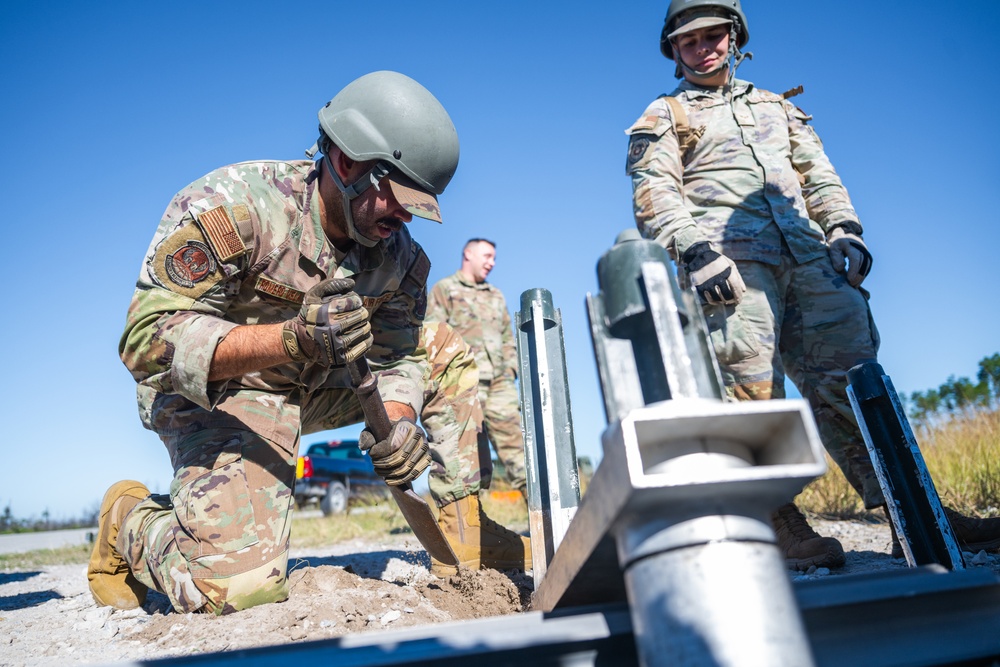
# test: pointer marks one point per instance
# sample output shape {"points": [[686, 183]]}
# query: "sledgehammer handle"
{"points": [[414, 508], [366, 389]]}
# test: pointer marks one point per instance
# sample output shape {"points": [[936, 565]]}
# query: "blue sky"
{"points": [[109, 108]]}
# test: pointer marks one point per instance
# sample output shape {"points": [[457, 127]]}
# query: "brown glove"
{"points": [[332, 327], [402, 456]]}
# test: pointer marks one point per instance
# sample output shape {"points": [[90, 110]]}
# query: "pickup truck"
{"points": [[334, 473]]}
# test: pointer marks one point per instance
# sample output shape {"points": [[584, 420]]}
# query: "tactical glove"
{"points": [[332, 326], [715, 277], [402, 456], [847, 247]]}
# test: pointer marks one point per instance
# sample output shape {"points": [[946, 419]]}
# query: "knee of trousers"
{"points": [[259, 585]]}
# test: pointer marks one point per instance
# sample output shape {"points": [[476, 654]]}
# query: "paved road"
{"points": [[53, 539]]}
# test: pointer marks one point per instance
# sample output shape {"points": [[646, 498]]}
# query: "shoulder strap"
{"points": [[687, 138]]}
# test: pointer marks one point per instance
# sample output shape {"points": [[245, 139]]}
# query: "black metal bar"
{"points": [[914, 507]]}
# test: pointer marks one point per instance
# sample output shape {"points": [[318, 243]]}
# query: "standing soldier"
{"points": [[733, 181], [263, 280], [478, 312]]}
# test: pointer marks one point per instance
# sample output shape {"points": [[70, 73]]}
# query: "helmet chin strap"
{"points": [[351, 192]]}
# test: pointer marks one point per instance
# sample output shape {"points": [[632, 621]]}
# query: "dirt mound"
{"points": [[48, 617]]}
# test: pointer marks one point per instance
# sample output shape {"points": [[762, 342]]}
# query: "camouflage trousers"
{"points": [[453, 417], [219, 541], [502, 426], [806, 321]]}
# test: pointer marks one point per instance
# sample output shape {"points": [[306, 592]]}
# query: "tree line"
{"points": [[958, 396], [11, 524]]}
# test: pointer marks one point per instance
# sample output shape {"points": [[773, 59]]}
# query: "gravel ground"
{"points": [[47, 616]]}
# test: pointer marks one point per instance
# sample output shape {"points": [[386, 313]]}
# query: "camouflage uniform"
{"points": [[241, 246], [452, 415], [757, 185], [478, 312]]}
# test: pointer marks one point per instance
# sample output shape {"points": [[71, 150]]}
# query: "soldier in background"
{"points": [[262, 282], [733, 181], [478, 312]]}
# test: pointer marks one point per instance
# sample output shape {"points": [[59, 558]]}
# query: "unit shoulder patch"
{"points": [[184, 263]]}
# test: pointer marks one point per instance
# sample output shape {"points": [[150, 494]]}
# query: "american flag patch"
{"points": [[275, 289], [222, 234]]}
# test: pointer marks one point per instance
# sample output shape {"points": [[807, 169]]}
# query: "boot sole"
{"points": [[831, 561], [439, 569], [976, 547]]}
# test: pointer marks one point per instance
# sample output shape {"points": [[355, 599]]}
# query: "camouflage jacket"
{"points": [[479, 313], [241, 246], [757, 162]]}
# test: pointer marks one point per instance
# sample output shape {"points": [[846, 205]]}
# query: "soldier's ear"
{"points": [[341, 163]]}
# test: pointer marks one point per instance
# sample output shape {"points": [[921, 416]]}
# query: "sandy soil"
{"points": [[47, 617]]}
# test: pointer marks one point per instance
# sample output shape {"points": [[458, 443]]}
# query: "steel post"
{"points": [[914, 507], [549, 451]]}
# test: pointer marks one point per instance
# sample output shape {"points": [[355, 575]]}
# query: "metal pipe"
{"points": [[549, 450]]}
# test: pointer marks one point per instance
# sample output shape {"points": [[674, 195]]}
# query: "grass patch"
{"points": [[962, 456], [78, 554], [362, 521], [375, 520]]}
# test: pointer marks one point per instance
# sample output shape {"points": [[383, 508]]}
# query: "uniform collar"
{"points": [[740, 87], [470, 283]]}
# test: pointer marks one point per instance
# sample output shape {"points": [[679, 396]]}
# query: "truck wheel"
{"points": [[335, 500]]}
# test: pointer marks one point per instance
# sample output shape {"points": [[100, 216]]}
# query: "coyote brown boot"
{"points": [[974, 534], [801, 546], [478, 541], [111, 581]]}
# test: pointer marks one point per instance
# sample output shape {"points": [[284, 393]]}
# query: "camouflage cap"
{"points": [[702, 17], [412, 197]]}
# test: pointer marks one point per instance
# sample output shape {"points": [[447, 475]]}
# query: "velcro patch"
{"points": [[184, 264], [222, 233], [637, 147], [241, 213], [644, 124], [373, 302], [276, 289]]}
